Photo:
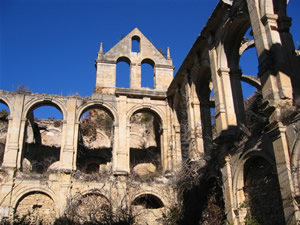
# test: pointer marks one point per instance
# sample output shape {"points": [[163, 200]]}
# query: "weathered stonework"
{"points": [[239, 149]]}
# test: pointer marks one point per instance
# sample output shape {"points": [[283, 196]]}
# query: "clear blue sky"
{"points": [[50, 46]]}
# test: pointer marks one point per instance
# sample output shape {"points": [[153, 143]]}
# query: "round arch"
{"points": [[234, 33], [35, 103], [21, 194], [238, 174], [148, 61], [150, 193], [123, 59], [97, 104], [6, 101], [147, 107]]}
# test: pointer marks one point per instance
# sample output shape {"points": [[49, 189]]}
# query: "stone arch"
{"points": [[94, 104], [145, 74], [240, 181], [233, 37], [151, 200], [146, 156], [147, 107], [7, 101], [262, 191], [38, 102], [148, 207], [136, 48], [35, 205], [123, 77], [89, 207], [238, 173], [95, 137], [39, 151]]}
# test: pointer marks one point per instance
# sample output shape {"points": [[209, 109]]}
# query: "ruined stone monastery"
{"points": [[191, 149]]}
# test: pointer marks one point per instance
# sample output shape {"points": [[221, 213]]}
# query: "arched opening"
{"points": [[42, 143], [123, 73], [212, 206], [4, 114], [181, 112], [35, 208], [95, 140], [148, 209], [248, 62], [135, 44], [147, 68], [145, 143], [262, 192], [91, 208], [148, 201]]}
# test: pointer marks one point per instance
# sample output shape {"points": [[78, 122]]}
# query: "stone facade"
{"points": [[241, 149]]}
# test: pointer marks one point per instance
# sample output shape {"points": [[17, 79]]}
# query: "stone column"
{"points": [[12, 151], [135, 76], [281, 151], [121, 145], [68, 148], [224, 107], [228, 192], [237, 94], [13, 134]]}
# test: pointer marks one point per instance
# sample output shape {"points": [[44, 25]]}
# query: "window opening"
{"points": [[42, 140], [95, 141], [135, 44], [123, 74]]}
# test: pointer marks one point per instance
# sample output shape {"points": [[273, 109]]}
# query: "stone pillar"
{"points": [[105, 77], [121, 141], [237, 94], [282, 156], [228, 192], [13, 134], [224, 107], [135, 76], [68, 148], [196, 148], [11, 153], [164, 147]]}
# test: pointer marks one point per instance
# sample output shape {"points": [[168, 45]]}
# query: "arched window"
{"points": [[43, 134], [145, 142], [148, 201], [123, 73], [94, 152], [149, 209], [91, 208], [4, 113], [262, 192], [147, 68], [37, 207], [135, 44]]}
